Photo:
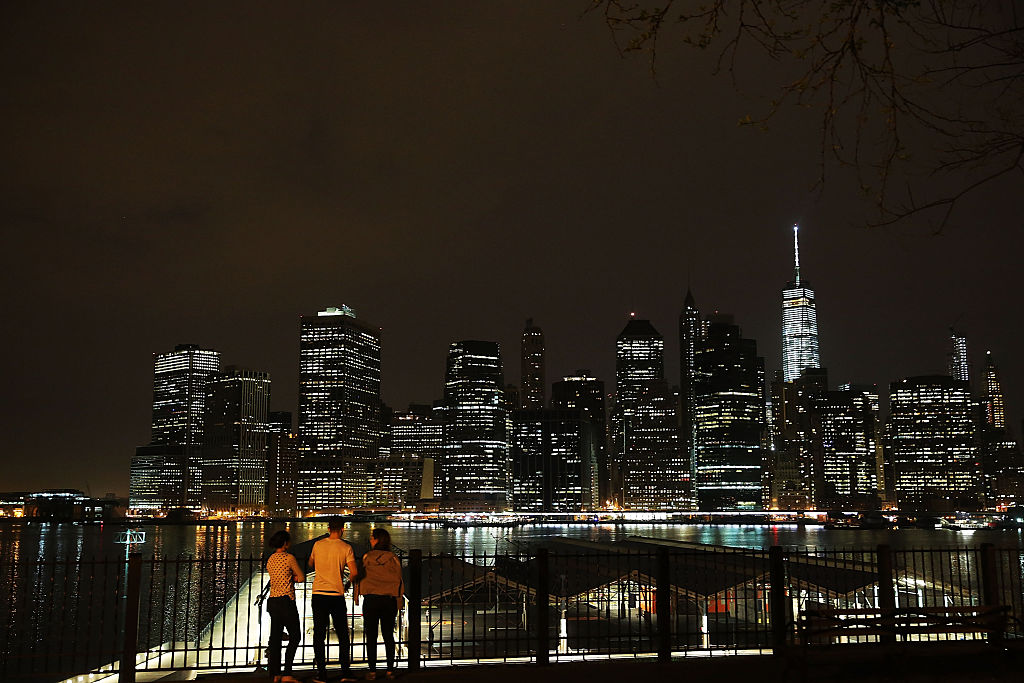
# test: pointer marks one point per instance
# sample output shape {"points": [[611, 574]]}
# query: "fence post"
{"points": [[133, 585], [415, 593], [777, 592], [543, 637], [886, 594], [662, 598], [990, 588]]}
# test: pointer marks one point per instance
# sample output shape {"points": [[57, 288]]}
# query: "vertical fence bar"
{"points": [[415, 599], [990, 589], [126, 674], [542, 605], [886, 593], [662, 597], [777, 596]]}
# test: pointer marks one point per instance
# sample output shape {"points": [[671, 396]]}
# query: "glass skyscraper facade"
{"points": [[846, 440], [959, 366], [729, 419], [235, 441], [172, 462], [533, 385], [554, 461], [475, 466], [933, 443], [583, 392], [339, 410], [799, 322]]}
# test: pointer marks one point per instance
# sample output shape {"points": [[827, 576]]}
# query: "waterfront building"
{"points": [[406, 479], [418, 433], [729, 419], [792, 406], [799, 322], [475, 466], [652, 473], [933, 444], [691, 329], [282, 464], [845, 441], [959, 366], [339, 410], [235, 441], [581, 391], [532, 366], [167, 473], [554, 461]]}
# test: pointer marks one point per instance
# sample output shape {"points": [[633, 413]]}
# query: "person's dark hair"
{"points": [[335, 523], [383, 539], [279, 539]]}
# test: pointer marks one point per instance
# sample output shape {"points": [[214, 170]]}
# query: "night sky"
{"points": [[196, 172]]}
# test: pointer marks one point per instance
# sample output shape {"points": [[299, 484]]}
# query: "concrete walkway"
{"points": [[861, 664]]}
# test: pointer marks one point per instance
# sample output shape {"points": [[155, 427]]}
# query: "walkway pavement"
{"points": [[960, 663]]}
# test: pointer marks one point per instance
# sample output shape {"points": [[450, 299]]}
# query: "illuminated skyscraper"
{"points": [[652, 471], [584, 392], [475, 466], [729, 419], [933, 443], [995, 414], [282, 464], [799, 322], [533, 385], [172, 462], [845, 435], [554, 461], [339, 410], [959, 368], [419, 434], [235, 441], [690, 332]]}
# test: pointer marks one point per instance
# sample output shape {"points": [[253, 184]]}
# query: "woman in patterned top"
{"points": [[284, 573]]}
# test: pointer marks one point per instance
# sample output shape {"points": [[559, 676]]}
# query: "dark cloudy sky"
{"points": [[205, 172]]}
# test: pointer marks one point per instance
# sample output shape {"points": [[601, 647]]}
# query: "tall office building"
{"points": [[533, 384], [235, 441], [418, 433], [959, 367], [584, 392], [651, 470], [995, 413], [172, 462], [554, 461], [845, 436], [475, 466], [690, 332], [792, 405], [339, 410], [933, 444], [799, 322], [282, 464], [729, 419]]}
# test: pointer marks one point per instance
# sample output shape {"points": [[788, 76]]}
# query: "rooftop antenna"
{"points": [[796, 254]]}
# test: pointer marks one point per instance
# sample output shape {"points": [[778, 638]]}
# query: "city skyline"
{"points": [[448, 172]]}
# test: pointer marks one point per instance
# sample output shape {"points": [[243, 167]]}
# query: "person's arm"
{"points": [[298, 576], [400, 599]]}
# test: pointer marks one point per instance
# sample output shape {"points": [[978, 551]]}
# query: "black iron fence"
{"points": [[570, 600]]}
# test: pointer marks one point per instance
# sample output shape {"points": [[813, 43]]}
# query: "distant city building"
{"points": [[532, 380], [691, 330], [995, 413], [167, 473], [406, 480], [583, 392], [933, 444], [339, 410], [729, 419], [282, 469], [845, 437], [799, 322], [652, 473], [959, 366], [418, 434], [235, 441], [792, 406], [475, 467], [554, 461], [71, 505]]}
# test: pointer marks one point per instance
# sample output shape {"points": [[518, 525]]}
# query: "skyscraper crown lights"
{"points": [[334, 310]]}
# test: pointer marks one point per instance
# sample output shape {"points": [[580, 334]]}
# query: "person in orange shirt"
{"points": [[328, 560]]}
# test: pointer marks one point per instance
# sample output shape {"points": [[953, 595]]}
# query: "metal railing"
{"points": [[566, 601]]}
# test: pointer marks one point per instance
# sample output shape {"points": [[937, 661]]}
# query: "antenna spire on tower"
{"points": [[796, 254]]}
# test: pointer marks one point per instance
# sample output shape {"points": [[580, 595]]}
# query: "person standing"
{"points": [[284, 572], [381, 589], [328, 560]]}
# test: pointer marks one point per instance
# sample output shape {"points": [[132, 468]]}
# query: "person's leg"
{"points": [[291, 622], [387, 627], [321, 614], [274, 646], [339, 614], [371, 616]]}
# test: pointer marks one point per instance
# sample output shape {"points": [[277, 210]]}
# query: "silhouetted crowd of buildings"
{"points": [[727, 437]]}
